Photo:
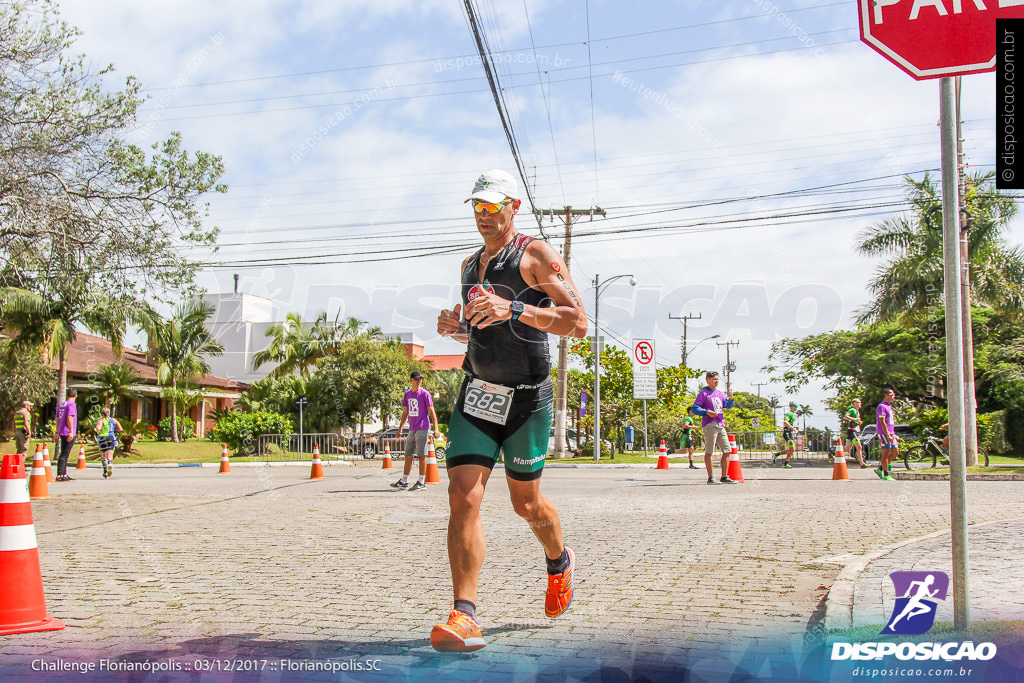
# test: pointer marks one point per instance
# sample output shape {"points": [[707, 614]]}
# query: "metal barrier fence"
{"points": [[285, 447], [756, 445]]}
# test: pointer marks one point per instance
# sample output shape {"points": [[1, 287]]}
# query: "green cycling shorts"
{"points": [[523, 439]]}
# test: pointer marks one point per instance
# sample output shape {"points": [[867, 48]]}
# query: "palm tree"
{"points": [[115, 382], [911, 279], [180, 346], [50, 319], [298, 347], [445, 386], [773, 404], [804, 411]]}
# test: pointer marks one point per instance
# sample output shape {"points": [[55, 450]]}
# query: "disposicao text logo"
{"points": [[917, 598]]}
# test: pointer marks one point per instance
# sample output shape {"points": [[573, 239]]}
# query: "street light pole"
{"points": [[597, 358]]}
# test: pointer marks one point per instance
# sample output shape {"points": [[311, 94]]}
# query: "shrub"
{"points": [[992, 432], [240, 430], [186, 428]]}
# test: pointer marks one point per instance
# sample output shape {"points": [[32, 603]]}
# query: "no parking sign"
{"points": [[645, 375]]}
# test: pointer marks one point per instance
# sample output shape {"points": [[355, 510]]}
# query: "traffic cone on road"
{"points": [[387, 458], [662, 457], [735, 471], [22, 603], [37, 488], [839, 471], [81, 458], [433, 475], [317, 470], [46, 465], [225, 463]]}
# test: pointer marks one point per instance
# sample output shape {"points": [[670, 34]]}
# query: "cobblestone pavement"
{"points": [[159, 563]]}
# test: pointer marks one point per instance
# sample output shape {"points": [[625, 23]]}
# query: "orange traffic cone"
{"points": [[662, 457], [46, 464], [81, 458], [433, 475], [22, 605], [839, 471], [317, 471], [225, 463], [37, 488], [735, 471], [387, 458]]}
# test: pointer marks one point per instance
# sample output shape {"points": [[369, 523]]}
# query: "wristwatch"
{"points": [[517, 308]]}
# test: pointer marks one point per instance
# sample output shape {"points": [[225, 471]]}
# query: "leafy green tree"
{"points": [[24, 376], [115, 382], [444, 386], [293, 345], [181, 345], [365, 377], [276, 395], [70, 183]]}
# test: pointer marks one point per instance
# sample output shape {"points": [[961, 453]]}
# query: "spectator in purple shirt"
{"points": [[885, 427], [67, 428], [710, 404]]}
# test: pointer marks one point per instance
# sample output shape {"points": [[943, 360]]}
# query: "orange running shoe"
{"points": [[460, 634], [559, 595]]}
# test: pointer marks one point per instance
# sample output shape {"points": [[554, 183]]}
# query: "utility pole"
{"points": [[685, 319], [970, 408], [561, 389], [759, 385], [728, 363]]}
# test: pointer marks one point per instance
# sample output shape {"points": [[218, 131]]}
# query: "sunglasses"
{"points": [[480, 207]]}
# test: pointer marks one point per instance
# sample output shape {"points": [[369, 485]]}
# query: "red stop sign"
{"points": [[935, 38]]}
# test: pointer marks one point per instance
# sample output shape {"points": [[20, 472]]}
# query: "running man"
{"points": [[418, 408], [885, 426], [515, 291], [686, 439], [915, 604], [23, 429], [853, 422], [710, 404], [788, 434]]}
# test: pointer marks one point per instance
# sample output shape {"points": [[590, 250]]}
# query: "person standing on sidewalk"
{"points": [[686, 439], [22, 428], [709, 405], [418, 407], [885, 427], [67, 429], [515, 291], [853, 422]]}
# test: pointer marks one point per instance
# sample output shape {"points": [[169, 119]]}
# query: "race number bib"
{"points": [[488, 401]]}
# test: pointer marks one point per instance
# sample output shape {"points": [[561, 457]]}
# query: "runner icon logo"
{"points": [[917, 599]]}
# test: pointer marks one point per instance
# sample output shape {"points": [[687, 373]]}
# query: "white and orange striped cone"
{"points": [[839, 471], [662, 457], [433, 475], [735, 470], [317, 470], [46, 464], [22, 603], [81, 458], [225, 462], [37, 488], [387, 458]]}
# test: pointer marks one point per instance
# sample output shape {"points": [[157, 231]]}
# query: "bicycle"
{"points": [[917, 457]]}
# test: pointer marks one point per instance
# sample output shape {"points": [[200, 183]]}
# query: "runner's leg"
{"points": [[539, 512], [466, 543]]}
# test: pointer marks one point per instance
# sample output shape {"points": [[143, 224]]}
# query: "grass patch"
{"points": [[994, 631], [194, 450]]}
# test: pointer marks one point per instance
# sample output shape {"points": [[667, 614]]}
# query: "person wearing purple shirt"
{"points": [[418, 407], [67, 428], [710, 404], [885, 427]]}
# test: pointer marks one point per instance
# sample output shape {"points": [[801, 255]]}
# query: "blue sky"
{"points": [[737, 149]]}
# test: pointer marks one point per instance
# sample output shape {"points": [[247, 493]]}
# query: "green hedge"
{"points": [[240, 430]]}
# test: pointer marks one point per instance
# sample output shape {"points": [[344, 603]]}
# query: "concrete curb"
{"points": [[944, 476], [840, 598]]}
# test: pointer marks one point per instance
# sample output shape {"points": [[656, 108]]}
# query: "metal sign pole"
{"points": [[645, 427], [954, 356]]}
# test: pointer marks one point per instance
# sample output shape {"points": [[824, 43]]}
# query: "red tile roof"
{"points": [[448, 362]]}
